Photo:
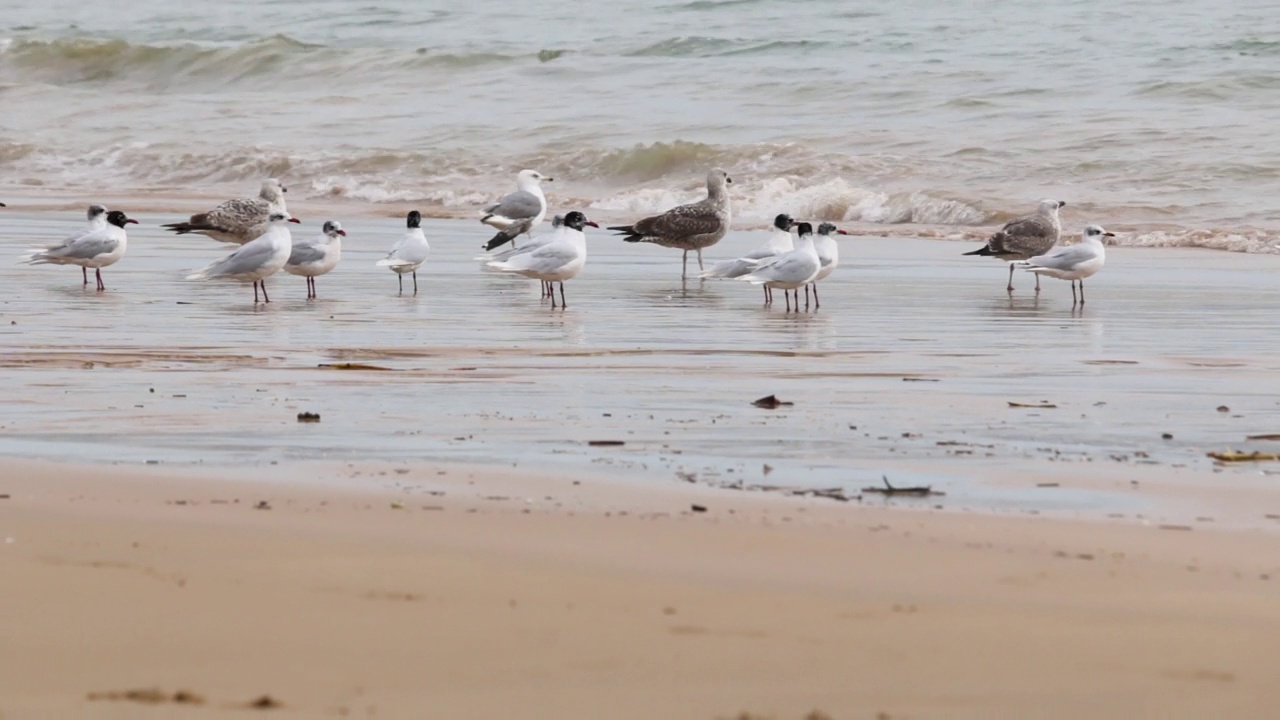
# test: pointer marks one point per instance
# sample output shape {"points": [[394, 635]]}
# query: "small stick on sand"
{"points": [[919, 490]]}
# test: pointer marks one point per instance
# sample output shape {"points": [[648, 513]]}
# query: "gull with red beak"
{"points": [[1073, 262], [256, 260], [312, 258], [560, 258], [101, 244]]}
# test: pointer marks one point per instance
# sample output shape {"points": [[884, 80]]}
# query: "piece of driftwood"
{"points": [[1267, 436], [351, 366], [770, 402], [1231, 456], [1036, 406], [915, 491], [827, 493], [308, 417], [606, 443]]}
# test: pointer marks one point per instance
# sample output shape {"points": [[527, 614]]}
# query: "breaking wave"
{"points": [[613, 182]]}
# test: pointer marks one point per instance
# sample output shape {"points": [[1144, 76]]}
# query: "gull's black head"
{"points": [[119, 219], [784, 222], [95, 211], [3, 205], [333, 227], [414, 219], [804, 229], [577, 221]]}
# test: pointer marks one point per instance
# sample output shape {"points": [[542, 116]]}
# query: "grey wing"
{"points": [[554, 254], [245, 260], [787, 266], [546, 258], [516, 206], [86, 247], [303, 254], [681, 222], [239, 213], [1064, 258]]}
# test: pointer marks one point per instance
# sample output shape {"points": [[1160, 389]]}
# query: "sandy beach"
{"points": [[927, 499], [448, 541], [461, 604]]}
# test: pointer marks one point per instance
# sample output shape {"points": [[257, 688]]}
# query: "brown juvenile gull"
{"points": [[1026, 237], [688, 227], [238, 221]]}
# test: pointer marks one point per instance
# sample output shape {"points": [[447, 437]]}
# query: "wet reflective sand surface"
{"points": [[907, 370]]}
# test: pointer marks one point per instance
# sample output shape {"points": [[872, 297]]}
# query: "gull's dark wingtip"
{"points": [[984, 250], [628, 231], [498, 241]]}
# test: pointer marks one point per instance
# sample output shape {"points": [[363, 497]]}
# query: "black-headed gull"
{"points": [[312, 258], [688, 227], [828, 255], [779, 242], [409, 252], [100, 244], [1073, 262], [790, 271], [1026, 237], [560, 258]]}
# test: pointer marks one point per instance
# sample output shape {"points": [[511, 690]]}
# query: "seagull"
{"points": [[311, 258], [828, 255], [1073, 262], [238, 221], [791, 270], [517, 213], [533, 244], [779, 242], [688, 227], [1026, 237], [409, 252], [101, 244], [560, 258], [256, 260], [97, 217]]}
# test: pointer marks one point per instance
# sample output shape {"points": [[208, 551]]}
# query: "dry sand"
{"points": [[338, 603]]}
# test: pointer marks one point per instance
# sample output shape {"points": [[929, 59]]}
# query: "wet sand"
{"points": [[482, 594], [907, 370], [447, 538]]}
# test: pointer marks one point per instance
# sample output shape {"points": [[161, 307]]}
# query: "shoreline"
{"points": [[918, 366], [1243, 238], [477, 608]]}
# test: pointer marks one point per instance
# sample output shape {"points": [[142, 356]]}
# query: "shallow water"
{"points": [[1156, 119], [907, 369]]}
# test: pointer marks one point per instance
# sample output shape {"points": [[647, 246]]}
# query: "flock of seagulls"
{"points": [[793, 257]]}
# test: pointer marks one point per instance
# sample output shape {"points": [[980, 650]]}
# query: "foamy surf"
{"points": [[871, 118]]}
